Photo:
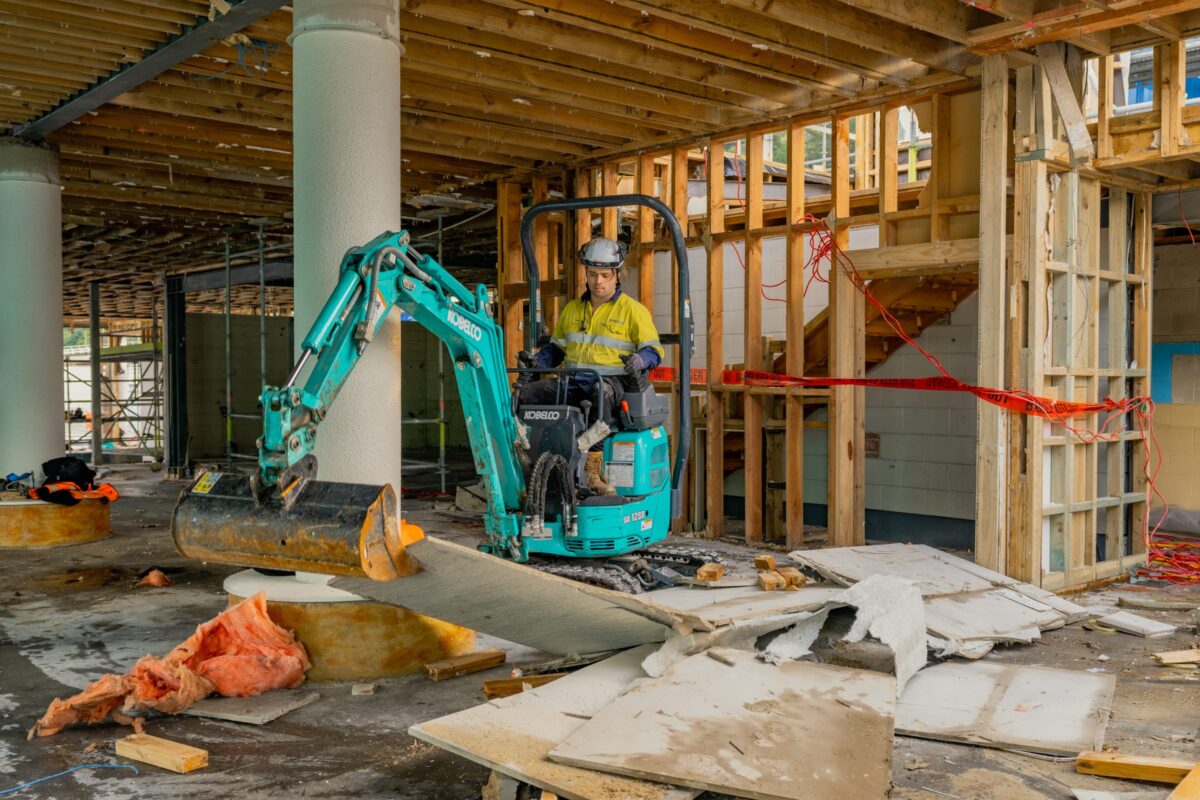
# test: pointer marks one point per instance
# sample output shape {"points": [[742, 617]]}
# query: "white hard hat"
{"points": [[603, 253]]}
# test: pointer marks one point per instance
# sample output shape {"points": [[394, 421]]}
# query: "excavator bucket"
{"points": [[331, 528]]}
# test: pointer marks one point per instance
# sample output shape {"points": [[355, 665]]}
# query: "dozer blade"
{"points": [[331, 528]]}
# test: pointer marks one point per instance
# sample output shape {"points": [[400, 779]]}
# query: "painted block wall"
{"points": [[206, 382], [1178, 429], [206, 378], [1176, 294], [926, 461], [1176, 350]]}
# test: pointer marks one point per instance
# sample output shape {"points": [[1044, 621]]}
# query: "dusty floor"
{"points": [[68, 615]]}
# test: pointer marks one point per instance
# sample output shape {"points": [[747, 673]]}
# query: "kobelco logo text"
{"points": [[465, 325], [546, 416]]}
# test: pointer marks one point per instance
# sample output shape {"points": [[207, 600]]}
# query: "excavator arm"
{"points": [[282, 516]]}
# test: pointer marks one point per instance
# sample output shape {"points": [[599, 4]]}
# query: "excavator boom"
{"points": [[281, 516]]}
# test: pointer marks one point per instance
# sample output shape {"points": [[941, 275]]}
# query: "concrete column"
{"points": [[31, 318], [346, 143]]}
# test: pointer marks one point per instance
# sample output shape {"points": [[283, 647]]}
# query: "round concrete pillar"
{"points": [[346, 140], [31, 318]]}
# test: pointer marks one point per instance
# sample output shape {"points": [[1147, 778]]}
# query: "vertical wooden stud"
{"points": [[991, 486], [1104, 107], [716, 338], [794, 424], [753, 335], [511, 267], [611, 224], [645, 234], [888, 175], [846, 403]]}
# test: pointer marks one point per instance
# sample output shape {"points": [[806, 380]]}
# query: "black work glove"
{"points": [[525, 361], [635, 365]]}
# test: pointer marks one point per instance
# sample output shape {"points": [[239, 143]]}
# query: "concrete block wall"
{"points": [[206, 382], [1176, 372], [926, 439], [1176, 293], [206, 378], [1178, 429]]}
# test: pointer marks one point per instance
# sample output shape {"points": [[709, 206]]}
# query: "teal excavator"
{"points": [[528, 457]]}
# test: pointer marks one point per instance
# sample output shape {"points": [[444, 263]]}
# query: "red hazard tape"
{"points": [[1017, 402]]}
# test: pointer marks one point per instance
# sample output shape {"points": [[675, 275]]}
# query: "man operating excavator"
{"points": [[604, 330]]}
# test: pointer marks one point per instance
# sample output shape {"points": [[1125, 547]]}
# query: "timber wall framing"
{"points": [[1058, 237], [1075, 301], [927, 255]]}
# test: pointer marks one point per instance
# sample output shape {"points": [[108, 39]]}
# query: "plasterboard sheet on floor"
{"points": [[996, 615], [935, 572], [964, 603], [256, 710], [1055, 711], [1092, 794], [1137, 625], [513, 735], [726, 606], [796, 731], [489, 594]]}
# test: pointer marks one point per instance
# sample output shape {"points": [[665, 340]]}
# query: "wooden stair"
{"points": [[916, 302]]}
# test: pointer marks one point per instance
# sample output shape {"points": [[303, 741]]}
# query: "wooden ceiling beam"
{"points": [[832, 19], [575, 65], [167, 148], [1070, 21], [80, 25], [149, 200], [616, 45], [949, 19], [456, 95], [194, 167], [144, 101], [150, 17], [699, 29], [429, 59]]}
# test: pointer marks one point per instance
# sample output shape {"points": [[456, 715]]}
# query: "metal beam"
{"points": [[190, 41], [274, 272], [97, 378], [175, 345]]}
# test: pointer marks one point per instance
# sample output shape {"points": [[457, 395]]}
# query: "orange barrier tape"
{"points": [[1017, 402]]}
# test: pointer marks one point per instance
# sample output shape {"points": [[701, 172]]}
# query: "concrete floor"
{"points": [[68, 615]]}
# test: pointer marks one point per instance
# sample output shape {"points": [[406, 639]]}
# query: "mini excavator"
{"points": [[529, 457]]}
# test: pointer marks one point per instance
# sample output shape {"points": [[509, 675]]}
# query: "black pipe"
{"points": [[683, 416]]}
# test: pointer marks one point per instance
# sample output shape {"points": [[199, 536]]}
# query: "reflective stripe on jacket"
{"points": [[597, 338]]}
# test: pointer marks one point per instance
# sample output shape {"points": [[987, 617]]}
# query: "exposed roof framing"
{"points": [[158, 176]]}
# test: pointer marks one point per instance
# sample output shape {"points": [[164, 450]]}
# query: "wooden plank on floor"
{"points": [[445, 668], [1135, 768], [1188, 788], [506, 687], [164, 753]]}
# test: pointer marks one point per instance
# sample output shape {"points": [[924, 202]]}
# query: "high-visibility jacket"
{"points": [[598, 338], [65, 489]]}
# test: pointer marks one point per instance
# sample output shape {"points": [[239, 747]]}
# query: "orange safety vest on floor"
{"points": [[104, 491]]}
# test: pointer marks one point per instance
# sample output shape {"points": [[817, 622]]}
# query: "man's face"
{"points": [[602, 283]]}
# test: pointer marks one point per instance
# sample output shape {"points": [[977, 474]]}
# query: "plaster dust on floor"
{"points": [[344, 746]]}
